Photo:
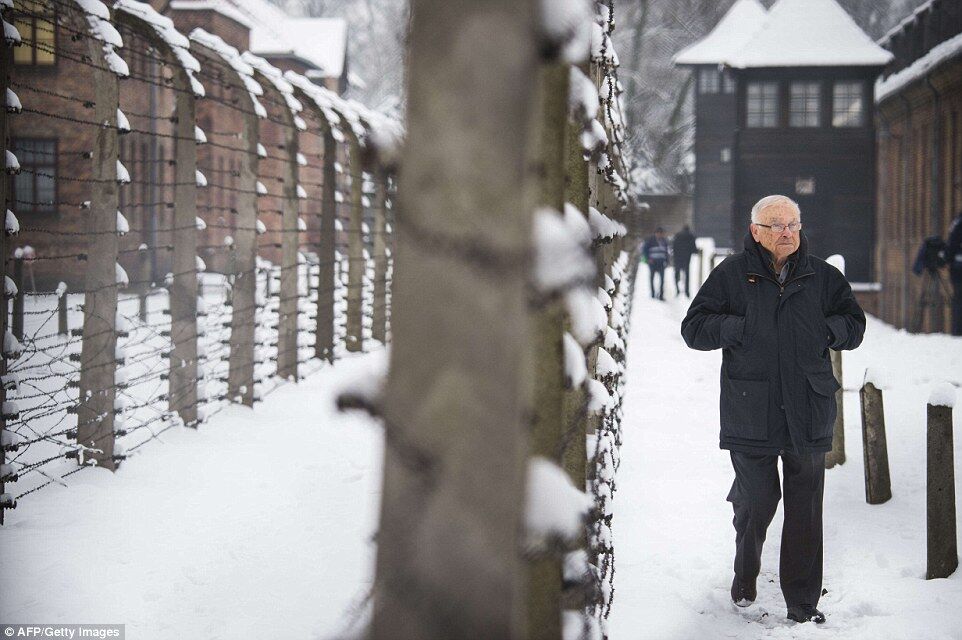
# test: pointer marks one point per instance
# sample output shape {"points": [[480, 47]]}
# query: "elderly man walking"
{"points": [[775, 311]]}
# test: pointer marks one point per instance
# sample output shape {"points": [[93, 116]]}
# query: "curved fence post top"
{"points": [[100, 28], [160, 29], [232, 58], [275, 77]]}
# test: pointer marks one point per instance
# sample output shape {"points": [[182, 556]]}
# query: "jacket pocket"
{"points": [[821, 402], [744, 409]]}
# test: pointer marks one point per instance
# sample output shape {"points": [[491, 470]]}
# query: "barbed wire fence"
{"points": [[174, 250]]}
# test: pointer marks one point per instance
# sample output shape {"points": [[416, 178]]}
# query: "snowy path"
{"points": [[673, 537], [256, 525]]}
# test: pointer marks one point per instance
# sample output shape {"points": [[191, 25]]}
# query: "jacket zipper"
{"points": [[781, 287]]}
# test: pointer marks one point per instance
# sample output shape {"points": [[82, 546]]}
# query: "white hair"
{"points": [[769, 201]]}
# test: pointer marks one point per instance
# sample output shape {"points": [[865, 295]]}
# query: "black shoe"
{"points": [[805, 613], [743, 593]]}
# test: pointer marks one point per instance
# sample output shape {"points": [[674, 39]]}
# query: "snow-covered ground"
{"points": [[260, 522], [673, 536]]}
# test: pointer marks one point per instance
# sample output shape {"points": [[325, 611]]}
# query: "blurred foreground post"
{"points": [[449, 562], [942, 541]]}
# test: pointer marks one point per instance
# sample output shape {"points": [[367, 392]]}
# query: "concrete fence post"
{"points": [[942, 551], [878, 488], [95, 410]]}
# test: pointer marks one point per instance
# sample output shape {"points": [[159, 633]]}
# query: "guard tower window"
{"points": [[708, 80], [847, 107], [804, 105], [762, 107], [728, 82]]}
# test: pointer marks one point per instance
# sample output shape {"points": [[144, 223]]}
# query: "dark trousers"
{"points": [[681, 266], [657, 267], [754, 496]]}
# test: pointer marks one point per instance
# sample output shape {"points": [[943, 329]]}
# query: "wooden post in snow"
{"points": [[95, 408], [878, 487], [942, 550], [449, 562]]}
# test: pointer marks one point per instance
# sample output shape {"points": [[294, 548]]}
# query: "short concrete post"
{"points": [[878, 488], [837, 454], [62, 313], [941, 535]]}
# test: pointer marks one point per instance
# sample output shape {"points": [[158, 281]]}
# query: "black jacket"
{"points": [[683, 246], [777, 385]]}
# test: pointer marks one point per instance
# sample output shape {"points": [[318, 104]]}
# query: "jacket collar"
{"points": [[759, 259]]}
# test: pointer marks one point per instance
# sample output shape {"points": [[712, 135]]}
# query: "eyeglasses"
{"points": [[779, 228]]}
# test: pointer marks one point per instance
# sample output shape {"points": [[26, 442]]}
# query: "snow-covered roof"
{"points": [[729, 35], [951, 48], [909, 19], [809, 33], [319, 42]]}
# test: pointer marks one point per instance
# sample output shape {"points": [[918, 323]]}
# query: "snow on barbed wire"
{"points": [[122, 226], [588, 317], [605, 298], [599, 398], [566, 29], [363, 388], [13, 102], [561, 258], [10, 289], [576, 369], [594, 138], [123, 124], [165, 30], [276, 77], [554, 508], [11, 224], [100, 28], [232, 57], [604, 228], [582, 97], [323, 98]]}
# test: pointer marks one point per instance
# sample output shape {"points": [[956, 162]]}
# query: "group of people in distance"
{"points": [[658, 252]]}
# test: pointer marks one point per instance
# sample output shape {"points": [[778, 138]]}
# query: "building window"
{"points": [[35, 21], [708, 80], [762, 107], [804, 104], [35, 187], [728, 82], [847, 106], [726, 154]]}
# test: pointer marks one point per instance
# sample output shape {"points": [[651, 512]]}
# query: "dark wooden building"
{"points": [[802, 125], [919, 107]]}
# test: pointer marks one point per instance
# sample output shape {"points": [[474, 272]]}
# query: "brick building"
{"points": [[919, 107], [52, 138]]}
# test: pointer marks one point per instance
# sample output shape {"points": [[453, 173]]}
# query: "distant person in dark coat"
{"points": [[682, 249], [776, 311], [953, 255], [655, 251]]}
